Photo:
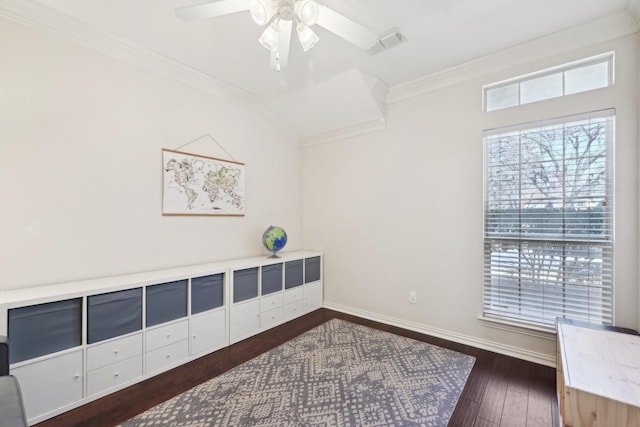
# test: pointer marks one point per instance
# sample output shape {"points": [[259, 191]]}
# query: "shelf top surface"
{"points": [[600, 362]]}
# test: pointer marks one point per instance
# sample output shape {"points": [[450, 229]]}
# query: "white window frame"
{"points": [[537, 309], [561, 70]]}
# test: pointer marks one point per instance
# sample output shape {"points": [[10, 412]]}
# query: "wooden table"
{"points": [[598, 377]]}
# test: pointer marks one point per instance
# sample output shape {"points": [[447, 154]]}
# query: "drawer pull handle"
{"points": [[168, 356], [168, 335], [116, 374], [76, 376], [116, 352]]}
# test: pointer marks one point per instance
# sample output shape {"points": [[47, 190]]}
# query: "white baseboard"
{"points": [[519, 353]]}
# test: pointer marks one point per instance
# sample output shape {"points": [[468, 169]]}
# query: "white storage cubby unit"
{"points": [[266, 292], [73, 343]]}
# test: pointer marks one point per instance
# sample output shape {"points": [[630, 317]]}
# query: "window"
{"points": [[581, 76], [548, 244]]}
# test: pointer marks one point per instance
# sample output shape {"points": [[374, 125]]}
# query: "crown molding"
{"points": [[598, 31], [53, 22], [373, 124]]}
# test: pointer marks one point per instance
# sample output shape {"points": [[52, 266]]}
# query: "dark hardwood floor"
{"points": [[501, 391]]}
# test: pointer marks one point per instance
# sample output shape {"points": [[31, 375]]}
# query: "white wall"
{"points": [[638, 78], [81, 136], [402, 210]]}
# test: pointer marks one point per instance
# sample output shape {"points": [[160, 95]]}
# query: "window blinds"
{"points": [[548, 226]]}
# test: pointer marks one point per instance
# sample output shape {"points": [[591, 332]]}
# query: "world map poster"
{"points": [[201, 185]]}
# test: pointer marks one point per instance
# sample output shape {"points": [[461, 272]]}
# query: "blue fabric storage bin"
{"points": [[42, 329], [166, 302], [207, 292], [293, 274], [271, 278], [245, 284], [112, 314], [312, 269]]}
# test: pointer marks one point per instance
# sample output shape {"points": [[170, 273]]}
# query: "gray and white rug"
{"points": [[337, 374]]}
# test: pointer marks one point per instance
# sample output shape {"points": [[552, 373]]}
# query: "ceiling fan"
{"points": [[279, 17]]}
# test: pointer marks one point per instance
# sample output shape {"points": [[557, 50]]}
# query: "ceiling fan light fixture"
{"points": [[307, 37], [307, 11], [269, 38], [262, 11]]}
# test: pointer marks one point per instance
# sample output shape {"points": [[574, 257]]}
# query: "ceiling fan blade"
{"points": [[344, 27], [212, 9], [280, 57]]}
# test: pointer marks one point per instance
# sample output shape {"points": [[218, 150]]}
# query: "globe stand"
{"points": [[274, 255]]}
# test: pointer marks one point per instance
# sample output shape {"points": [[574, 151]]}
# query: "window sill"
{"points": [[519, 328]]}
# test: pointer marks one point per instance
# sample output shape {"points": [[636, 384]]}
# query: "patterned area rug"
{"points": [[337, 374]]}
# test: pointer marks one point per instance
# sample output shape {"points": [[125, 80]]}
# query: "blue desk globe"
{"points": [[274, 239]]}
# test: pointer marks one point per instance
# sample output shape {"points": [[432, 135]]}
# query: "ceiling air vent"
{"points": [[387, 42]]}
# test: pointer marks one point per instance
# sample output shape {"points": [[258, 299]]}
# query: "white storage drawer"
{"points": [[51, 383], [110, 376], [113, 351], [270, 302], [293, 295], [294, 310], [271, 318], [167, 356], [208, 331], [167, 334]]}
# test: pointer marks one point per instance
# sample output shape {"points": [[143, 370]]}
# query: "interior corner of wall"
{"points": [[283, 126]]}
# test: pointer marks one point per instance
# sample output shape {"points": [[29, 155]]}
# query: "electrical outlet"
{"points": [[413, 297]]}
